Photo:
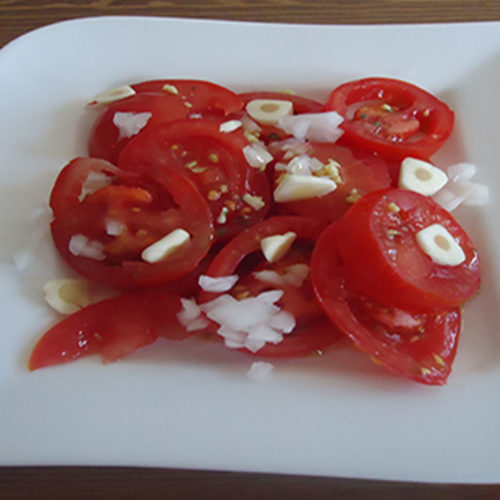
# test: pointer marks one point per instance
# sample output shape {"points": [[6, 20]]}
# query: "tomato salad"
{"points": [[269, 222]]}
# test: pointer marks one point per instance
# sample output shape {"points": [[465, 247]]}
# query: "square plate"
{"points": [[190, 404]]}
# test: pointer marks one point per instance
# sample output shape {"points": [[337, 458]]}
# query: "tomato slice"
{"points": [[383, 260], [355, 175], [242, 256], [392, 117], [197, 95], [301, 105], [107, 138], [124, 217], [112, 328], [213, 160], [421, 347]]}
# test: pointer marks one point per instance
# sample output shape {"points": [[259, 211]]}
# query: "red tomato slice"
{"points": [[213, 160], [420, 347], [311, 333], [393, 117], [145, 208], [112, 328], [355, 176], [300, 105], [196, 95], [383, 260], [107, 139]]}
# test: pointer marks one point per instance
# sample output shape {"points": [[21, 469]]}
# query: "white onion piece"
{"points": [[191, 316], [130, 124], [250, 322], [270, 297], [291, 146], [80, 245], [23, 258], [461, 172], [190, 310], [301, 165], [259, 371], [460, 189], [271, 277], [294, 275], [318, 127], [114, 227], [94, 182], [297, 274], [37, 229], [257, 155], [219, 284], [249, 125], [283, 321]]}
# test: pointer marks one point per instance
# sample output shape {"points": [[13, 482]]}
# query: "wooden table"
{"points": [[20, 16]]}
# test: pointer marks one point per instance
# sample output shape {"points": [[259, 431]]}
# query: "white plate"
{"points": [[190, 404]]}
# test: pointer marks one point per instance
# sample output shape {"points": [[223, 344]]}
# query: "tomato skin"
{"points": [[392, 269], [432, 120], [112, 328], [360, 173], [199, 94], [188, 146], [138, 202], [105, 140], [313, 332], [424, 353]]}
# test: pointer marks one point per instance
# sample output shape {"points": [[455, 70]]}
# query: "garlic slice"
{"points": [[436, 242], [269, 111]]}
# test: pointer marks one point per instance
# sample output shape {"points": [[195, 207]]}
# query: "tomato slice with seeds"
{"points": [[140, 111], [112, 328], [124, 217], [196, 95], [392, 117], [421, 347], [214, 161], [242, 256], [355, 174], [377, 242]]}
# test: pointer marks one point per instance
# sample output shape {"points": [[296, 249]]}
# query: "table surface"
{"points": [[18, 17]]}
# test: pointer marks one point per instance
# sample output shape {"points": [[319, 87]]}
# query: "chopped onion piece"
{"points": [[230, 126], [461, 172], [460, 189], [294, 275], [301, 165], [257, 155], [259, 370], [292, 147], [318, 127], [191, 316], [219, 284], [250, 322], [94, 182], [130, 124], [272, 277], [80, 245], [249, 125], [283, 321], [114, 227]]}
